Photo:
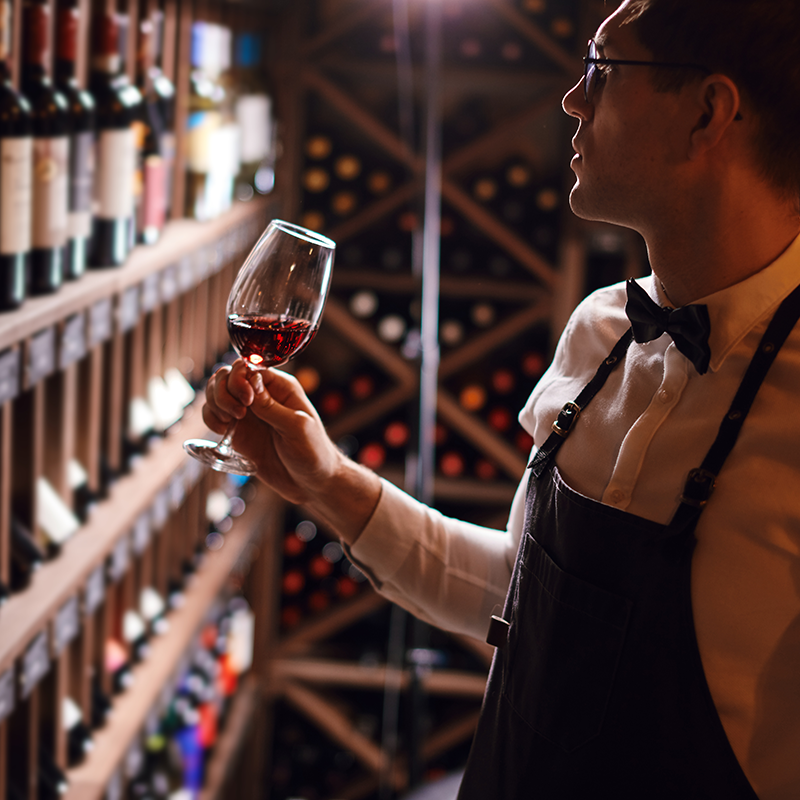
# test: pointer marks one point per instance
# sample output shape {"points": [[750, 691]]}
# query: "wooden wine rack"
{"points": [[70, 364]]}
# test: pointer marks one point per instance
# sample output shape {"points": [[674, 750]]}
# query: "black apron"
{"points": [[597, 688]]}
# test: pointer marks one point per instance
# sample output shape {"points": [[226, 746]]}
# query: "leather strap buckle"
{"points": [[567, 417], [698, 487]]}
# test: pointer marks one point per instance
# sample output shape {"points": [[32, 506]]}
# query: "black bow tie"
{"points": [[688, 326]]}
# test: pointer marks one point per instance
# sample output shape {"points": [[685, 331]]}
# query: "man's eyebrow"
{"points": [[600, 40]]}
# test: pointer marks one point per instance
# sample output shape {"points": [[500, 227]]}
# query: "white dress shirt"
{"points": [[632, 448]]}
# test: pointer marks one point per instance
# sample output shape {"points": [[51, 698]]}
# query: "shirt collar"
{"points": [[734, 311]]}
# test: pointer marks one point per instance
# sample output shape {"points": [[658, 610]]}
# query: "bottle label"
{"points": [[200, 150], [81, 175], [253, 114], [116, 163], [16, 159], [50, 191], [168, 154], [155, 194]]}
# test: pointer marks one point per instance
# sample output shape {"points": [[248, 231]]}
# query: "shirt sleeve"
{"points": [[448, 572]]}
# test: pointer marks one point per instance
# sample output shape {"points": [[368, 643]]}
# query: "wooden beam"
{"points": [[504, 236], [358, 116]]}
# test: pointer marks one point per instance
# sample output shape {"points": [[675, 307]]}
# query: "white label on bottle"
{"points": [[253, 113], [116, 164], [201, 126], [50, 191], [6, 693], [16, 176], [54, 516], [81, 166], [240, 640], [168, 154]]}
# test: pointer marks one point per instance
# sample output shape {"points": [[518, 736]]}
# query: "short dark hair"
{"points": [[756, 43]]}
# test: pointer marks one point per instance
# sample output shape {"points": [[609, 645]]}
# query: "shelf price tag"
{"points": [[95, 591], [140, 536], [6, 693], [128, 311], [134, 759], [160, 509], [41, 356], [201, 264], [73, 341], [35, 664], [119, 560], [185, 274], [177, 490], [114, 787], [169, 283], [9, 375], [100, 322], [151, 294], [66, 625]]}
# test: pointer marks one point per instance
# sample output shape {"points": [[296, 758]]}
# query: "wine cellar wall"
{"points": [[134, 613]]}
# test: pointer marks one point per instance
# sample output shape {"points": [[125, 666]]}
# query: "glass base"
{"points": [[222, 460]]}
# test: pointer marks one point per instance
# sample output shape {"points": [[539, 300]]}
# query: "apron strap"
{"points": [[701, 481], [571, 411]]}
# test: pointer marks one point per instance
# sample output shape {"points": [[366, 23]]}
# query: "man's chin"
{"points": [[579, 204]]}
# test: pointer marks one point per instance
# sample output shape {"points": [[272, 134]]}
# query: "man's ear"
{"points": [[718, 102]]}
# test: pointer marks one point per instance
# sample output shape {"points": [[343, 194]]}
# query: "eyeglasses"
{"points": [[591, 61]]}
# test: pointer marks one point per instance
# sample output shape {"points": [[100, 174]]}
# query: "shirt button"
{"points": [[618, 496]]}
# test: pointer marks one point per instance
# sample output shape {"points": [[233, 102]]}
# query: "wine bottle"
{"points": [[117, 664], [52, 781], [101, 703], [81, 143], [16, 154], [117, 103], [79, 735], [26, 556], [50, 124], [209, 136], [253, 109], [452, 464], [164, 91], [152, 210]]}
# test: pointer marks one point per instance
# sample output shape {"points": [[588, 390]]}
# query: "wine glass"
{"points": [[273, 312]]}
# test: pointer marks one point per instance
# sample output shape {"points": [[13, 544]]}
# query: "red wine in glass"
{"points": [[273, 312], [269, 340]]}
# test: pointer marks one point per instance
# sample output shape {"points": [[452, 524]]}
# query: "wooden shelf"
{"points": [[27, 613], [131, 709]]}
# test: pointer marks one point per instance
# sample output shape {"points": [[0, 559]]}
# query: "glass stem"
{"points": [[224, 446]]}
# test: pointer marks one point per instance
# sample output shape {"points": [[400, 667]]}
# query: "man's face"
{"points": [[628, 146]]}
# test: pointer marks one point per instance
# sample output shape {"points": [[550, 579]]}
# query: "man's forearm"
{"points": [[346, 501]]}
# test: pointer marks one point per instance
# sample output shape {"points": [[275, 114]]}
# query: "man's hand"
{"points": [[280, 430]]}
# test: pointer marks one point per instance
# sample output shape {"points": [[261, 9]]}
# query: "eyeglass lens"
{"points": [[589, 70]]}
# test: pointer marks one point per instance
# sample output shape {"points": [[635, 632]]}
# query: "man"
{"points": [[649, 645]]}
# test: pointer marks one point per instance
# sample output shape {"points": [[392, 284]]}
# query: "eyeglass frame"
{"points": [[593, 61]]}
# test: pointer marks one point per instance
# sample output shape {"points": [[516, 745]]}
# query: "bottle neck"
{"points": [[65, 71], [36, 45], [106, 57], [67, 44], [5, 30]]}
